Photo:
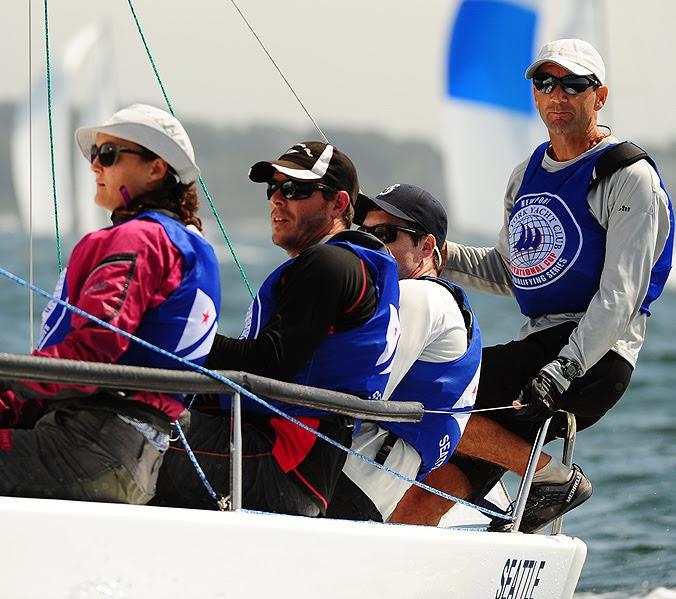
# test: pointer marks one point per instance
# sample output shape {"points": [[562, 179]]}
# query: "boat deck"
{"points": [[67, 549]]}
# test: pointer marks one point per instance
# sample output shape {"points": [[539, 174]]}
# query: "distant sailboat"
{"points": [[81, 71]]}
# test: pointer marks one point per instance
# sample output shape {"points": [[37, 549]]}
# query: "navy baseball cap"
{"points": [[410, 203]]}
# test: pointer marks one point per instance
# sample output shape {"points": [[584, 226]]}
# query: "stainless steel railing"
{"points": [[527, 480]]}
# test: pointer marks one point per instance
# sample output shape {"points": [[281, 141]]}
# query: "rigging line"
{"points": [[600, 12], [31, 302], [243, 391], [468, 411], [51, 140], [279, 70], [201, 181], [195, 463]]}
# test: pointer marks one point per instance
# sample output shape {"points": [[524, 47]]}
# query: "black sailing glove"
{"points": [[540, 398]]}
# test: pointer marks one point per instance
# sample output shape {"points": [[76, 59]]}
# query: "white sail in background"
{"points": [[81, 72], [23, 156], [88, 59], [490, 122]]}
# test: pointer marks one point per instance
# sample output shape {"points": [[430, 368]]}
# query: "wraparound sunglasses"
{"points": [[296, 190], [388, 233], [570, 84], [109, 152]]}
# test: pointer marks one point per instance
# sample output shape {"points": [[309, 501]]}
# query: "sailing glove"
{"points": [[542, 396]]}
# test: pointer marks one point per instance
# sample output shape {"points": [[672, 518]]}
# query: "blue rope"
{"points": [[245, 392], [195, 463]]}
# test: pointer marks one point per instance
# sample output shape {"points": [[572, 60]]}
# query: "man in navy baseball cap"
{"points": [[422, 212]]}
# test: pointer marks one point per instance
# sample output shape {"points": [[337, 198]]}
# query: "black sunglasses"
{"points": [[388, 233], [109, 152], [295, 190], [570, 84]]}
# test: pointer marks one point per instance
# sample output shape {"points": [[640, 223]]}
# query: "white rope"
{"points": [[469, 411]]}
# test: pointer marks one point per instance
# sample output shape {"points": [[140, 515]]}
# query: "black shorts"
{"points": [[265, 486], [351, 503], [506, 369]]}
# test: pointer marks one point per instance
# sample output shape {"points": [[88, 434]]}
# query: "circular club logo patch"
{"points": [[544, 240]]}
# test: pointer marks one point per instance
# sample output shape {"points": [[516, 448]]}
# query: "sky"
{"points": [[358, 64]]}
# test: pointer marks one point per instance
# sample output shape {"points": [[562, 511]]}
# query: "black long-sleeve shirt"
{"points": [[327, 288]]}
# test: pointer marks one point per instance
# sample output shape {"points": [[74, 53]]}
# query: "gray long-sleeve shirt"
{"points": [[633, 209]]}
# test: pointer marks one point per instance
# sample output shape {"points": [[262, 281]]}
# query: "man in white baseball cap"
{"points": [[577, 56], [584, 262]]}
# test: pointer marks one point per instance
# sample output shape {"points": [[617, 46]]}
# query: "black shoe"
{"points": [[548, 501], [501, 525]]}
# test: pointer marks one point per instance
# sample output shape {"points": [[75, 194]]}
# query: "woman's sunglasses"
{"points": [[388, 233], [570, 84], [294, 190], [109, 152]]}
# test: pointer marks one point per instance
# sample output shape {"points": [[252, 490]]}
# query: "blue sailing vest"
{"points": [[440, 386], [357, 361], [557, 248], [184, 324]]}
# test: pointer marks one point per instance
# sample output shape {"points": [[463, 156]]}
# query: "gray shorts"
{"points": [[79, 453]]}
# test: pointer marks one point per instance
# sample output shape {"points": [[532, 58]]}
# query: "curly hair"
{"points": [[172, 195]]}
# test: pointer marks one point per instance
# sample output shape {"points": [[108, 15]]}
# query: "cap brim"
{"points": [[264, 171], [147, 137], [394, 211], [86, 136], [365, 204], [575, 69], [362, 207]]}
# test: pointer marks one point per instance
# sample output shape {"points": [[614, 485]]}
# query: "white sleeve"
{"points": [[638, 226], [432, 328], [481, 268], [485, 268]]}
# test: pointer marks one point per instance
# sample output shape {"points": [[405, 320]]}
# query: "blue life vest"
{"points": [[178, 324], [440, 386], [356, 361], [557, 248]]}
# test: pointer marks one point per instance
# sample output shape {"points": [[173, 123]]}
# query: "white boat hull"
{"points": [[64, 549]]}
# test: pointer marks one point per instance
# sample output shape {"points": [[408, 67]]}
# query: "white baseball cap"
{"points": [[152, 128], [577, 56]]}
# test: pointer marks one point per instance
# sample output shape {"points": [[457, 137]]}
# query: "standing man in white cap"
{"points": [[151, 274], [327, 317], [585, 248]]}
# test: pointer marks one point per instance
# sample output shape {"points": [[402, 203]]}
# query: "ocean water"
{"points": [[629, 524]]}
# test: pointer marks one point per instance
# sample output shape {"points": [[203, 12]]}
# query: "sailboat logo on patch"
{"points": [[544, 240]]}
